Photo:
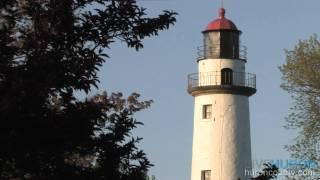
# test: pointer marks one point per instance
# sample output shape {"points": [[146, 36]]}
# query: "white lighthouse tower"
{"points": [[221, 88]]}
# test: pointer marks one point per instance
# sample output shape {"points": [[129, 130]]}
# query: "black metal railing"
{"points": [[214, 52], [217, 78]]}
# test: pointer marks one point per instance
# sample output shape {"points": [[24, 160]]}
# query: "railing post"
{"points": [[215, 78]]}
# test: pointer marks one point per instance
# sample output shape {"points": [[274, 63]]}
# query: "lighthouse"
{"points": [[221, 89]]}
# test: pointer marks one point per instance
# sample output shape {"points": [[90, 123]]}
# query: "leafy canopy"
{"points": [[301, 79], [49, 51]]}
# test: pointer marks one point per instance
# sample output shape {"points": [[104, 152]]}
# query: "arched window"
{"points": [[226, 76]]}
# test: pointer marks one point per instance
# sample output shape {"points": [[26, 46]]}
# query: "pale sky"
{"points": [[159, 72]]}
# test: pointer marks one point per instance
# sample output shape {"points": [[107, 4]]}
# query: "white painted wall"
{"points": [[221, 144], [209, 71], [208, 65]]}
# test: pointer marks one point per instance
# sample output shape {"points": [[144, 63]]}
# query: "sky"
{"points": [[159, 72]]}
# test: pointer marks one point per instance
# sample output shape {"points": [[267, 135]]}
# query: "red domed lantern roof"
{"points": [[221, 23]]}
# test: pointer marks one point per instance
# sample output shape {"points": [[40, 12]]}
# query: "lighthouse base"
{"points": [[221, 138]]}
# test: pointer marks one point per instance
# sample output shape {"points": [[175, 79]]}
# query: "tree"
{"points": [[301, 79], [50, 50], [270, 171]]}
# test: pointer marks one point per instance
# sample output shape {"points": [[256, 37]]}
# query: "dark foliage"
{"points": [[49, 50], [270, 171]]}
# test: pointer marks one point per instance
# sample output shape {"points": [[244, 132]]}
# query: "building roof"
{"points": [[221, 23]]}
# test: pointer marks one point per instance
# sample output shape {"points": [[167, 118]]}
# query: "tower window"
{"points": [[207, 111], [226, 76], [206, 175]]}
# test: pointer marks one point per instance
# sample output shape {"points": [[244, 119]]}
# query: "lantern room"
{"points": [[222, 40]]}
